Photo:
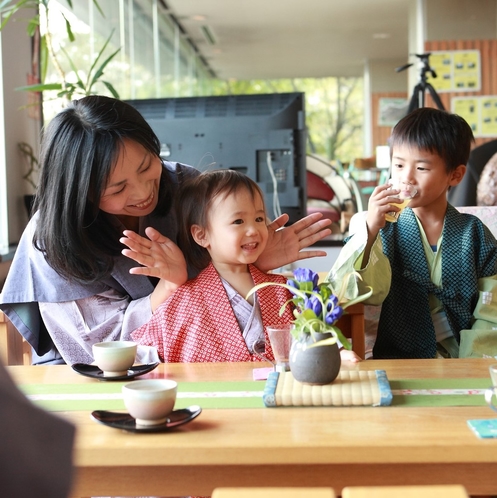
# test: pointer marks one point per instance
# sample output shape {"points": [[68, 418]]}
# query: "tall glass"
{"points": [[280, 339], [407, 192]]}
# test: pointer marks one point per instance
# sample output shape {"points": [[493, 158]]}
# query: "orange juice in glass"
{"points": [[407, 192]]}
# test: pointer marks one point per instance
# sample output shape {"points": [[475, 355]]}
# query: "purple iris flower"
{"points": [[306, 275], [333, 315], [314, 304], [293, 284]]}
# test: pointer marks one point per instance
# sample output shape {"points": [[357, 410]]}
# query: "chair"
{"points": [[464, 194], [14, 350], [487, 214], [319, 190], [273, 493], [435, 491], [339, 192]]}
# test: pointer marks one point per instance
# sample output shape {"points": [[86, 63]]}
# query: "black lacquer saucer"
{"points": [[126, 422], [96, 373]]}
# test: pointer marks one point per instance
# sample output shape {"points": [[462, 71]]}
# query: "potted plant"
{"points": [[314, 354], [81, 82]]}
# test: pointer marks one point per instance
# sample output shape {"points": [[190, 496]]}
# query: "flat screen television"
{"points": [[264, 136]]}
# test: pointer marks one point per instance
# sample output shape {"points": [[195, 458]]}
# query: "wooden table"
{"points": [[327, 447]]}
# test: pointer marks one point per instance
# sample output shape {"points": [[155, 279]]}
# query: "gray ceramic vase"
{"points": [[318, 365]]}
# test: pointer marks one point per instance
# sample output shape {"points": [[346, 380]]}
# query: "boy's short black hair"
{"points": [[440, 132]]}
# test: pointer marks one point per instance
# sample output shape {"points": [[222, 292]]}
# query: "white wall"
{"points": [[15, 125], [322, 264]]}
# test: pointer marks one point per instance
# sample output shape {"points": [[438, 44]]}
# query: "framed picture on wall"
{"points": [[391, 110]]}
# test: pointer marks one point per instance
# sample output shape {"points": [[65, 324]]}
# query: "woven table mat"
{"points": [[350, 388]]}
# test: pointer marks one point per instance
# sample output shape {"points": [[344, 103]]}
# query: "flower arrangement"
{"points": [[318, 306]]}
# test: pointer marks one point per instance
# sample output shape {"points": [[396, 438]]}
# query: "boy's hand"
{"points": [[379, 205], [347, 355]]}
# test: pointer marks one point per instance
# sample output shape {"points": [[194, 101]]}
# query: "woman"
{"points": [[69, 286]]}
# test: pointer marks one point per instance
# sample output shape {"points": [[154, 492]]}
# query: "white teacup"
{"points": [[114, 357], [150, 401]]}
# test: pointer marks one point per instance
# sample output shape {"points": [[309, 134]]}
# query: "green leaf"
{"points": [[358, 299], [344, 341], [41, 87], [111, 89], [69, 32], [44, 56], [325, 342], [33, 24], [98, 7], [308, 314], [100, 70]]}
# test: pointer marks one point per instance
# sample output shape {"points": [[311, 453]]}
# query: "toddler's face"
{"points": [[426, 171], [237, 232]]}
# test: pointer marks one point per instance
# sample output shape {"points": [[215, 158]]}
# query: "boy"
{"points": [[424, 268]]}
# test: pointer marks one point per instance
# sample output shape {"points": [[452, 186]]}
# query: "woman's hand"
{"points": [[160, 257], [285, 244]]}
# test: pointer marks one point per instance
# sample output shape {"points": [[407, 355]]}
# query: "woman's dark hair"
{"points": [[440, 132], [79, 150], [194, 201]]}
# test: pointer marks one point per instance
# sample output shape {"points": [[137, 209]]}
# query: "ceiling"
{"points": [[266, 39]]}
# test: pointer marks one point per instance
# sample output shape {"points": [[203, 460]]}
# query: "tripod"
{"points": [[418, 94]]}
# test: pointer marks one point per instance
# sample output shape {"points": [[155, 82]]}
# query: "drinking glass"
{"points": [[407, 192], [491, 393], [280, 338]]}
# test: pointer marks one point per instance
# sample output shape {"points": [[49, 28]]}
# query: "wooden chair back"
{"points": [[352, 324], [14, 350]]}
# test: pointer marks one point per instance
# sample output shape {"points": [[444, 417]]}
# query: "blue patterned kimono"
{"points": [[469, 252]]}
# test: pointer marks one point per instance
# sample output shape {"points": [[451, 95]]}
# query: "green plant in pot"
{"points": [[315, 355], [82, 80], [71, 81]]}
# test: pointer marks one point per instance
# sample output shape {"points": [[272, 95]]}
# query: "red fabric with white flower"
{"points": [[197, 323]]}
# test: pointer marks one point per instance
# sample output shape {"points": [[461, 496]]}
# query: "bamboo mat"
{"points": [[350, 388]]}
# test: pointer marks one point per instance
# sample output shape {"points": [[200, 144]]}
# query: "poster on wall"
{"points": [[480, 112], [488, 116], [391, 110], [456, 70], [468, 108]]}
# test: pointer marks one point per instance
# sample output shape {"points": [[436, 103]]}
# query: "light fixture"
{"points": [[381, 36]]}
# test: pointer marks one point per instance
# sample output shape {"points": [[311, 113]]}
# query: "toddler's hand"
{"points": [[351, 356]]}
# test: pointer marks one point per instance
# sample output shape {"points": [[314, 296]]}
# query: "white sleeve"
{"points": [[376, 274], [76, 325]]}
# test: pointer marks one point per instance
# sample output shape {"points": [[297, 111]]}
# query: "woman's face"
{"points": [[133, 186]]}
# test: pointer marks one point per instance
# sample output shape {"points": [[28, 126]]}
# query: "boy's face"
{"points": [[427, 172]]}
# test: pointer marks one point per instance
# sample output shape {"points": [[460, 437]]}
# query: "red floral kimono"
{"points": [[198, 324]]}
